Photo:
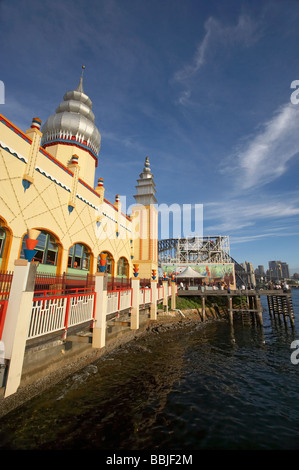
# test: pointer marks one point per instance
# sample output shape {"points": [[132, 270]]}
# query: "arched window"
{"points": [[2, 241], [123, 267], [109, 265], [5, 243], [46, 249], [79, 257]]}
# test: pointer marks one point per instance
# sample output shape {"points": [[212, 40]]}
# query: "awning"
{"points": [[190, 273]]}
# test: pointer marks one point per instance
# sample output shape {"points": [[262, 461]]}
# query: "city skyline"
{"points": [[207, 90]]}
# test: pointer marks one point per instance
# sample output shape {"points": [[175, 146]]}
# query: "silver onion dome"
{"points": [[73, 121]]}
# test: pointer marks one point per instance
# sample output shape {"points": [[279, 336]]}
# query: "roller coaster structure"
{"points": [[196, 250]]}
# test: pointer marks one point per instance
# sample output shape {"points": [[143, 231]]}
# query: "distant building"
{"points": [[278, 270], [250, 273], [285, 270], [260, 272]]}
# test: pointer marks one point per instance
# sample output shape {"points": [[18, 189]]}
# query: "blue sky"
{"points": [[201, 87]]}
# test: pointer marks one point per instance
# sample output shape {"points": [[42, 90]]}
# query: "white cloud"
{"points": [[251, 238], [234, 215], [217, 35], [265, 155]]}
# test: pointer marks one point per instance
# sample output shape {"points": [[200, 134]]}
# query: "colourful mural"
{"points": [[211, 272]]}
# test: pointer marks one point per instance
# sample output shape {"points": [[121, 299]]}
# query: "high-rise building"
{"points": [[250, 273], [261, 270], [278, 270]]}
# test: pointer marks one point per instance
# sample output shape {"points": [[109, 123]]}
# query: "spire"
{"points": [[73, 122], [146, 170], [80, 86], [146, 186]]}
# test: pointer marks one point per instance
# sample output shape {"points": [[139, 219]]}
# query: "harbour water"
{"points": [[200, 386]]}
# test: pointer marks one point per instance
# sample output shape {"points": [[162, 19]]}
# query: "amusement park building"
{"points": [[47, 193]]}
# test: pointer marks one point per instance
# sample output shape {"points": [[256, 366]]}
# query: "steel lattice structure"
{"points": [[194, 250]]}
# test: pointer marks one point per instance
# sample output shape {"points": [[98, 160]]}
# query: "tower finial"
{"points": [[80, 86]]}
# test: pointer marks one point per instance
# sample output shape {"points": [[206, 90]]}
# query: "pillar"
{"points": [[203, 308], [165, 295], [135, 304], [230, 309], [290, 310], [99, 329], [74, 167], [259, 309], [153, 312], [173, 296], [18, 315], [35, 135]]}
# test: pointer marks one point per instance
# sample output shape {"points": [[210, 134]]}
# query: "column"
{"points": [[165, 295], [173, 295], [135, 304], [35, 134], [259, 309], [230, 309], [18, 315], [203, 311], [74, 167], [99, 329], [153, 315]]}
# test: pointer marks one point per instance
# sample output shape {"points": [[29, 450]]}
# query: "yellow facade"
{"points": [[146, 243], [51, 190]]}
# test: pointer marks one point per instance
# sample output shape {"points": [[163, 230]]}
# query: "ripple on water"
{"points": [[188, 388]]}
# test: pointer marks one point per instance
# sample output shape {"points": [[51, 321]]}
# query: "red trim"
{"points": [[73, 144], [3, 308], [15, 129]]}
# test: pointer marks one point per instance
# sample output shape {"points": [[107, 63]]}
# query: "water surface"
{"points": [[202, 386]]}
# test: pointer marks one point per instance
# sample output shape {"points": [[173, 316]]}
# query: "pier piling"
{"points": [[279, 304]]}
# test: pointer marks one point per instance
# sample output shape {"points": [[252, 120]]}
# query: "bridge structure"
{"points": [[196, 250]]}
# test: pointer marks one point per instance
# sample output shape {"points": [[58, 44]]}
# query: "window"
{"points": [[122, 267], [2, 241], [109, 265], [79, 257], [46, 249]]}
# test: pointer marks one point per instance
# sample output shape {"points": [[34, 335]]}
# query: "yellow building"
{"points": [[46, 193]]}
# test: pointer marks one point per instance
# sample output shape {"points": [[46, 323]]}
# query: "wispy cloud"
{"points": [[264, 156], [217, 35], [251, 238], [237, 214]]}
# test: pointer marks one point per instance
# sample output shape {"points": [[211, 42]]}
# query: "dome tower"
{"points": [[71, 130]]}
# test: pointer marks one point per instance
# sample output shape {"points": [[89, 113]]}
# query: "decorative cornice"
{"points": [[74, 143]]}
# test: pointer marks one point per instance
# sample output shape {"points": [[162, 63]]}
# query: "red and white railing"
{"points": [[160, 293], [145, 296], [118, 300], [3, 308], [5, 284], [55, 310], [51, 313]]}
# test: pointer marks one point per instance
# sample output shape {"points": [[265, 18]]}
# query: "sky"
{"points": [[206, 89]]}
